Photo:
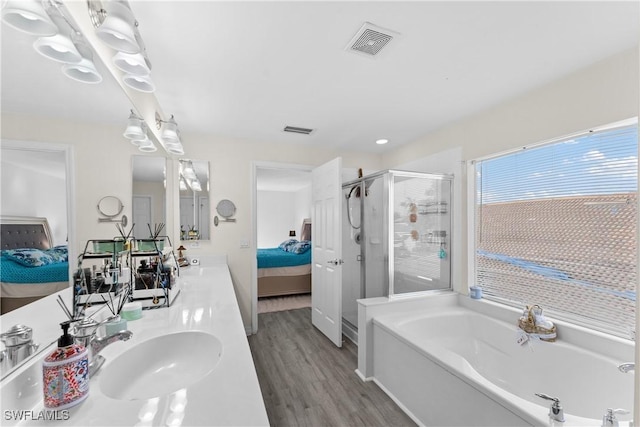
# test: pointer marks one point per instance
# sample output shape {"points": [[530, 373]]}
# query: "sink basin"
{"points": [[160, 366]]}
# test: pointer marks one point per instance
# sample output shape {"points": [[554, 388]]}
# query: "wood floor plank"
{"points": [[308, 381]]}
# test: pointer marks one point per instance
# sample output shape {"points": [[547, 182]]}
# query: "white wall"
{"points": [[276, 216], [36, 191], [279, 212], [603, 93]]}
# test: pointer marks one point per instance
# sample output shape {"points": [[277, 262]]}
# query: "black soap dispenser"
{"points": [[65, 373]]}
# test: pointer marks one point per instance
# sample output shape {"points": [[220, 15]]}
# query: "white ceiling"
{"points": [[247, 69]]}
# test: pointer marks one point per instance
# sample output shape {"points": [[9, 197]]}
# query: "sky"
{"points": [[597, 163]]}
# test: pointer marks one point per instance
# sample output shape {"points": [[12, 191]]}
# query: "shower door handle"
{"points": [[336, 262]]}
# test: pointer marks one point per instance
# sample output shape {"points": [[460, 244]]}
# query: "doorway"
{"points": [[281, 200], [43, 164]]}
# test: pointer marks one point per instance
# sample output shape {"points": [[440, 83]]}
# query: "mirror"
{"points": [[195, 212], [149, 199], [44, 173], [110, 206]]}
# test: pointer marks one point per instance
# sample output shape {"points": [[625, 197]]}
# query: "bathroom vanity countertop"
{"points": [[229, 395]]}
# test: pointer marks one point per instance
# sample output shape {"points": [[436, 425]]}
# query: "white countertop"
{"points": [[229, 395]]}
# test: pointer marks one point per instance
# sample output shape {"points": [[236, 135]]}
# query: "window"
{"points": [[555, 225]]}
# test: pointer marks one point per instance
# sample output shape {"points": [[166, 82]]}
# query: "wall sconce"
{"points": [[188, 176], [170, 135], [117, 28], [59, 40], [136, 131], [28, 16]]}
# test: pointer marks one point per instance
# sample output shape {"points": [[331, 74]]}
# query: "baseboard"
{"points": [[362, 377]]}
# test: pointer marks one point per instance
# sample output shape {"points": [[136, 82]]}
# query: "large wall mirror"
{"points": [[195, 212], [149, 195]]}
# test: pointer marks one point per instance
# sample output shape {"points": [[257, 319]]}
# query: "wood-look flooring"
{"points": [[308, 381]]}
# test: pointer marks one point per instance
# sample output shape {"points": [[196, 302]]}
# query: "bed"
{"points": [[285, 272], [30, 266]]}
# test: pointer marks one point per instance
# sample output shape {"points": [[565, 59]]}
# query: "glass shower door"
{"points": [[421, 227]]}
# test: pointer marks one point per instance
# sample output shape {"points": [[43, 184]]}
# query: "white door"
{"points": [[203, 217], [187, 214], [141, 216], [326, 257]]}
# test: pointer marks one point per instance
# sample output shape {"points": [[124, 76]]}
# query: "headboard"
{"points": [[305, 233], [24, 232]]}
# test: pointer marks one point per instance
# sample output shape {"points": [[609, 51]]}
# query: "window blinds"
{"points": [[556, 226]]}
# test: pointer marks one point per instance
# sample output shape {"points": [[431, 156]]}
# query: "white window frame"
{"points": [[471, 225]]}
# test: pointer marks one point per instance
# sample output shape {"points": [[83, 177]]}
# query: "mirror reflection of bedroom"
{"points": [[34, 204], [283, 239]]}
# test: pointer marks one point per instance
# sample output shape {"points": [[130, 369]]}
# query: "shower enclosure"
{"points": [[396, 238]]}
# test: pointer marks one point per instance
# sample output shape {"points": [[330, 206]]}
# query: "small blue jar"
{"points": [[475, 292]]}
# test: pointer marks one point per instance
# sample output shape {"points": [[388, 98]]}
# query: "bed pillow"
{"points": [[58, 253], [29, 257], [287, 244], [301, 247]]}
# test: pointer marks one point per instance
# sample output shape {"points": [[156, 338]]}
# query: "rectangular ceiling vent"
{"points": [[294, 129], [370, 40]]}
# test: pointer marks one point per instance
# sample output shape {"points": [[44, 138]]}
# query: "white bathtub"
{"points": [[453, 365]]}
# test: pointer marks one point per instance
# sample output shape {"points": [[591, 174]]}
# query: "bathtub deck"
{"points": [[306, 380]]}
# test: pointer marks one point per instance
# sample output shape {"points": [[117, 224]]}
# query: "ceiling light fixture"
{"points": [[28, 16], [382, 141]]}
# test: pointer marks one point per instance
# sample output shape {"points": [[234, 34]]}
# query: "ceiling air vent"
{"points": [[370, 40], [294, 129]]}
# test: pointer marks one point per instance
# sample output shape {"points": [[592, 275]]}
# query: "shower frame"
{"points": [[388, 197]]}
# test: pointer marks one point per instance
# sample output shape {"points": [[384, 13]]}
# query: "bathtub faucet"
{"points": [[555, 411], [626, 367], [610, 420]]}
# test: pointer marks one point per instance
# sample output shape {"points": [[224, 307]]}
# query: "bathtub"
{"points": [[458, 364]]}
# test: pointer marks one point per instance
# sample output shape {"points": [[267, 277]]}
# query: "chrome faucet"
{"points": [[85, 334], [555, 411], [627, 367], [610, 420], [18, 345]]}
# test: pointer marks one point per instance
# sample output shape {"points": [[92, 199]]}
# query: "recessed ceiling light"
{"points": [[382, 141]]}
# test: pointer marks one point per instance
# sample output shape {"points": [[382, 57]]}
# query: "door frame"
{"points": [[255, 166]]}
